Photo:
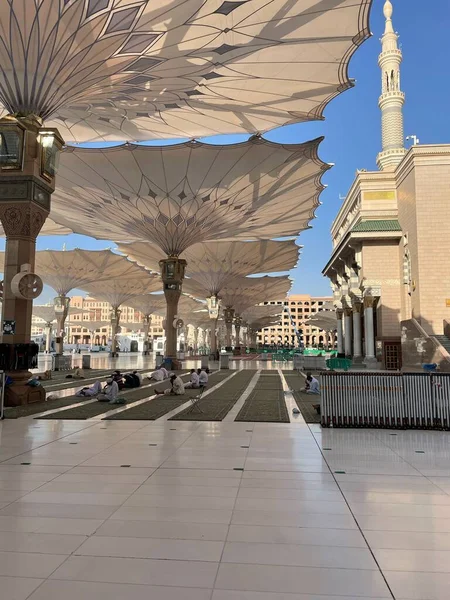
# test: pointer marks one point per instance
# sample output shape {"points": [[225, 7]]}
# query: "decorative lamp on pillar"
{"points": [[61, 304], [115, 328], [28, 164], [228, 315], [172, 274], [214, 304]]}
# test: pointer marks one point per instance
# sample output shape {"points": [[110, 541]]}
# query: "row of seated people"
{"points": [[117, 381]]}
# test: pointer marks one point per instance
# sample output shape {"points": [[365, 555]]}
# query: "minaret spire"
{"points": [[392, 98]]}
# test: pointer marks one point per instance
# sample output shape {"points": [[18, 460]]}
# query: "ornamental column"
{"points": [[172, 274], [369, 328], [237, 329], [28, 164], [357, 335], [340, 331], [147, 324], [115, 322], [348, 321], [228, 315], [61, 304], [214, 336], [244, 338], [48, 337]]}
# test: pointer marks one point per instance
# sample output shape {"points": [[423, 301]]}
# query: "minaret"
{"points": [[392, 98]]}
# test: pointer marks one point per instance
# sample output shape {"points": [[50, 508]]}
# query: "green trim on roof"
{"points": [[377, 225]]}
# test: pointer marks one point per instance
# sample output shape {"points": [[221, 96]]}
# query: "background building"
{"points": [[391, 242], [99, 311], [296, 310]]}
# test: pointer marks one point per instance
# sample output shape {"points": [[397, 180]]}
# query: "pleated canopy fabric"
{"points": [[147, 304], [215, 264], [248, 291], [146, 69], [47, 313], [65, 270], [176, 196], [121, 289], [255, 313]]}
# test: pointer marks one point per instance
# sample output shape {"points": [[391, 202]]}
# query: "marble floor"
{"points": [[165, 510]]}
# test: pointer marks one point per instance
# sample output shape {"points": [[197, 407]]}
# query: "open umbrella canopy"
{"points": [[47, 313], [121, 289], [249, 291], [253, 313], [215, 264], [180, 195], [147, 304], [129, 70], [65, 270]]}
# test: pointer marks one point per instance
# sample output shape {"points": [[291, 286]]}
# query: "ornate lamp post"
{"points": [[115, 321], [28, 165], [172, 274], [214, 303], [61, 304], [228, 315]]}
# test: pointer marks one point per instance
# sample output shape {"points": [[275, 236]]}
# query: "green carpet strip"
{"points": [[160, 406], [217, 405], [266, 402], [97, 408]]}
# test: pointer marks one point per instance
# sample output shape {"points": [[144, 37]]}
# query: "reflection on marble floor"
{"points": [[222, 511]]}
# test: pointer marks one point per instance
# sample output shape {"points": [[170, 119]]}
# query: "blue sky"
{"points": [[352, 125]]}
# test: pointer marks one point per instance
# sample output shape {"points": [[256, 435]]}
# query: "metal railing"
{"points": [[386, 399]]}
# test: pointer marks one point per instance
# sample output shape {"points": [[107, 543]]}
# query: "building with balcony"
{"points": [[297, 309]]}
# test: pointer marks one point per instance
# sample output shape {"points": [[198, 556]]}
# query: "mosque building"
{"points": [[391, 243]]}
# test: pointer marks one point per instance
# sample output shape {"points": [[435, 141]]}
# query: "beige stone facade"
{"points": [[297, 309], [391, 242], [100, 311]]}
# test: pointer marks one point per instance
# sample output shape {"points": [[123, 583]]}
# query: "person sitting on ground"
{"points": [[89, 392], [131, 381], [312, 385], [139, 377], [45, 376], [194, 381], [176, 388], [77, 374], [157, 375], [118, 378], [202, 377], [110, 391]]}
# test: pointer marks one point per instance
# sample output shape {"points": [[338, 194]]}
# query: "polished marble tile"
{"points": [[408, 540], [293, 580], [298, 555], [229, 595], [312, 536], [77, 590], [142, 571], [429, 561], [42, 543], [290, 518], [68, 511], [24, 564], [183, 502], [182, 515], [18, 588], [419, 586], [163, 549], [49, 525], [164, 530]]}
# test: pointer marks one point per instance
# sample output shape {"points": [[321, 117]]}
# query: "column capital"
{"points": [[369, 301], [348, 311], [22, 219], [339, 313]]}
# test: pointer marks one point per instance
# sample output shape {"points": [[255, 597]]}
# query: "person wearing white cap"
{"points": [[110, 391], [176, 389]]}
